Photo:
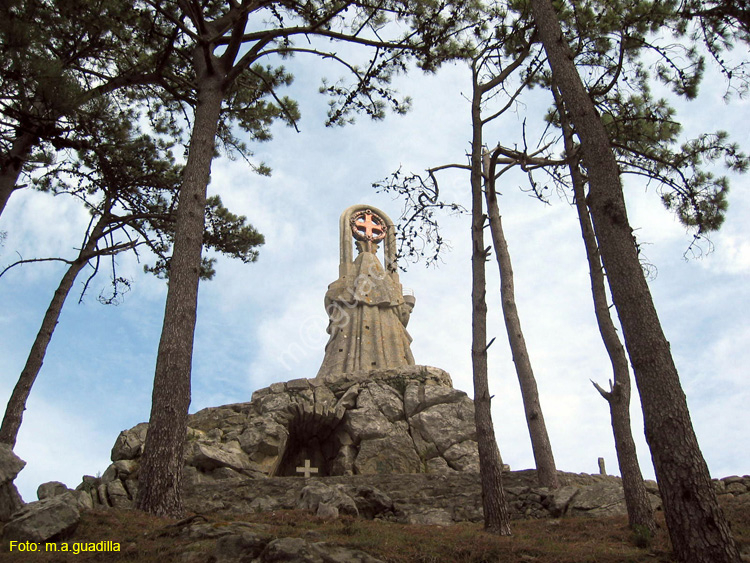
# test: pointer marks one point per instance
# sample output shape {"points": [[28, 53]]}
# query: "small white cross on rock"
{"points": [[307, 470]]}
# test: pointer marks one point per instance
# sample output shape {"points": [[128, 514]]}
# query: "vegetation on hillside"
{"points": [[148, 539]]}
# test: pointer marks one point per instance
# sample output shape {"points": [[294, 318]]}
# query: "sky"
{"points": [[264, 322]]}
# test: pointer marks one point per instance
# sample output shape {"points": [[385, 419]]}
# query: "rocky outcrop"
{"points": [[326, 501], [598, 499], [51, 489], [397, 444], [332, 500], [303, 551], [241, 542], [734, 490], [416, 498], [51, 519], [404, 420], [10, 465]]}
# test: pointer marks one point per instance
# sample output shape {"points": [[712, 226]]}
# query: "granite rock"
{"points": [[10, 466], [129, 443], [333, 500], [303, 551], [399, 420], [52, 519], [51, 489], [601, 499]]}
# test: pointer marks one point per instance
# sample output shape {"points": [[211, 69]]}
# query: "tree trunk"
{"points": [[640, 512], [543, 458], [697, 527], [160, 479], [11, 168], [496, 519], [17, 402]]}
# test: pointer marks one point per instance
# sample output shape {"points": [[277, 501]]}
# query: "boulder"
{"points": [[10, 501], [85, 501], [446, 424], [51, 519], [10, 465], [129, 443], [463, 456], [392, 454], [366, 424], [736, 488], [437, 465], [370, 501], [264, 504], [349, 399], [51, 489], [101, 490], [120, 469], [383, 398], [302, 551], [339, 554], [317, 493], [558, 502], [132, 487], [327, 511], [431, 517], [653, 487], [236, 548], [420, 397], [291, 549], [600, 499], [207, 457], [118, 495]]}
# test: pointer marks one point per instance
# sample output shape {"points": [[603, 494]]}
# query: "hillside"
{"points": [[198, 539]]}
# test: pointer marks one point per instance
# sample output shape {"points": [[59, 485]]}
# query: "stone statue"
{"points": [[366, 307]]}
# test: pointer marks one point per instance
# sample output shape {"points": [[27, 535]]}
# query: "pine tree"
{"points": [[129, 184], [697, 527], [58, 59], [222, 49]]}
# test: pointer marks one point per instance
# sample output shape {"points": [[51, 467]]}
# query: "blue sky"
{"points": [[265, 322]]}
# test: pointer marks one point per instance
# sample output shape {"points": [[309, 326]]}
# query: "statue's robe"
{"points": [[367, 321]]}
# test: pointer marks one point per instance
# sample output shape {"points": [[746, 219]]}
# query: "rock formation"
{"points": [[10, 465], [51, 519], [405, 420]]}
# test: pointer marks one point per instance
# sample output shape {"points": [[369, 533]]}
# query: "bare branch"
{"points": [[30, 260], [606, 394], [506, 72]]}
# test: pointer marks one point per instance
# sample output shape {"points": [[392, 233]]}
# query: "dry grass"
{"points": [[149, 539]]}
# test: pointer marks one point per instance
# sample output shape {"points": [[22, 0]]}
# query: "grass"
{"points": [[149, 539]]}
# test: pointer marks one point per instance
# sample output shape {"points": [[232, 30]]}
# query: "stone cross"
{"points": [[307, 470], [368, 226]]}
